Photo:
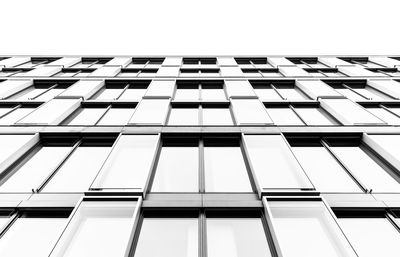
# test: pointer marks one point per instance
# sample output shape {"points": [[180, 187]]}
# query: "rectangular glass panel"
{"points": [[236, 237], [31, 174], [225, 170], [371, 93], [177, 170], [366, 169], [168, 237], [151, 111], [87, 116], [307, 229], [108, 94], [98, 228], [350, 94], [50, 94], [217, 116], [15, 116], [324, 171], [184, 116], [133, 94], [239, 88], [250, 111], [371, 237], [11, 143], [267, 94], [209, 94], [28, 94], [385, 116], [315, 117], [116, 117], [33, 237], [5, 110], [187, 94], [79, 170], [292, 93], [284, 116], [273, 163], [129, 163]]}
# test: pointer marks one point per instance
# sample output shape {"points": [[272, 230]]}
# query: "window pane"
{"points": [[267, 94], [184, 116], [27, 94], [87, 117], [187, 94], [217, 116], [225, 170], [292, 93], [213, 94], [348, 112], [177, 170], [129, 163], [151, 111], [5, 110], [307, 229], [315, 117], [168, 237], [134, 94], [385, 116], [108, 93], [250, 111], [79, 171], [386, 145], [11, 143], [366, 169], [50, 94], [15, 116], [273, 163], [371, 237], [284, 116], [236, 237], [31, 237], [98, 228], [350, 94], [371, 93], [324, 171], [116, 117], [31, 174], [239, 88]]}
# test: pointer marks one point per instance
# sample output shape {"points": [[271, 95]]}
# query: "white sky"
{"points": [[220, 27]]}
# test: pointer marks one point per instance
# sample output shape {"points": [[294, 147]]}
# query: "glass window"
{"points": [[325, 172], [29, 176], [108, 93], [10, 144], [291, 93], [386, 116], [225, 170], [284, 116], [371, 93], [86, 116], [79, 170], [250, 111], [217, 116], [184, 116], [15, 116], [274, 165], [52, 112], [177, 169], [4, 111], [386, 145], [168, 237], [116, 117], [315, 117], [366, 169], [98, 228], [371, 237], [28, 94], [151, 111], [161, 88], [187, 94], [239, 88], [307, 229], [350, 94], [129, 162], [348, 112], [236, 237], [267, 94], [210, 94], [31, 236], [133, 94], [50, 94]]}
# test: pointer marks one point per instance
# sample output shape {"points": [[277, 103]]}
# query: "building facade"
{"points": [[293, 156]]}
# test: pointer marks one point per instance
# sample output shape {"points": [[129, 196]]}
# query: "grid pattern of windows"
{"points": [[200, 156]]}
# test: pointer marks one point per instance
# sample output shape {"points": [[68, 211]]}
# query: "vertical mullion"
{"points": [[50, 88], [101, 117], [276, 90], [352, 90], [202, 234], [9, 223], [201, 166]]}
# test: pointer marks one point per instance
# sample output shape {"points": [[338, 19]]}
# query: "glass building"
{"points": [[170, 156]]}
